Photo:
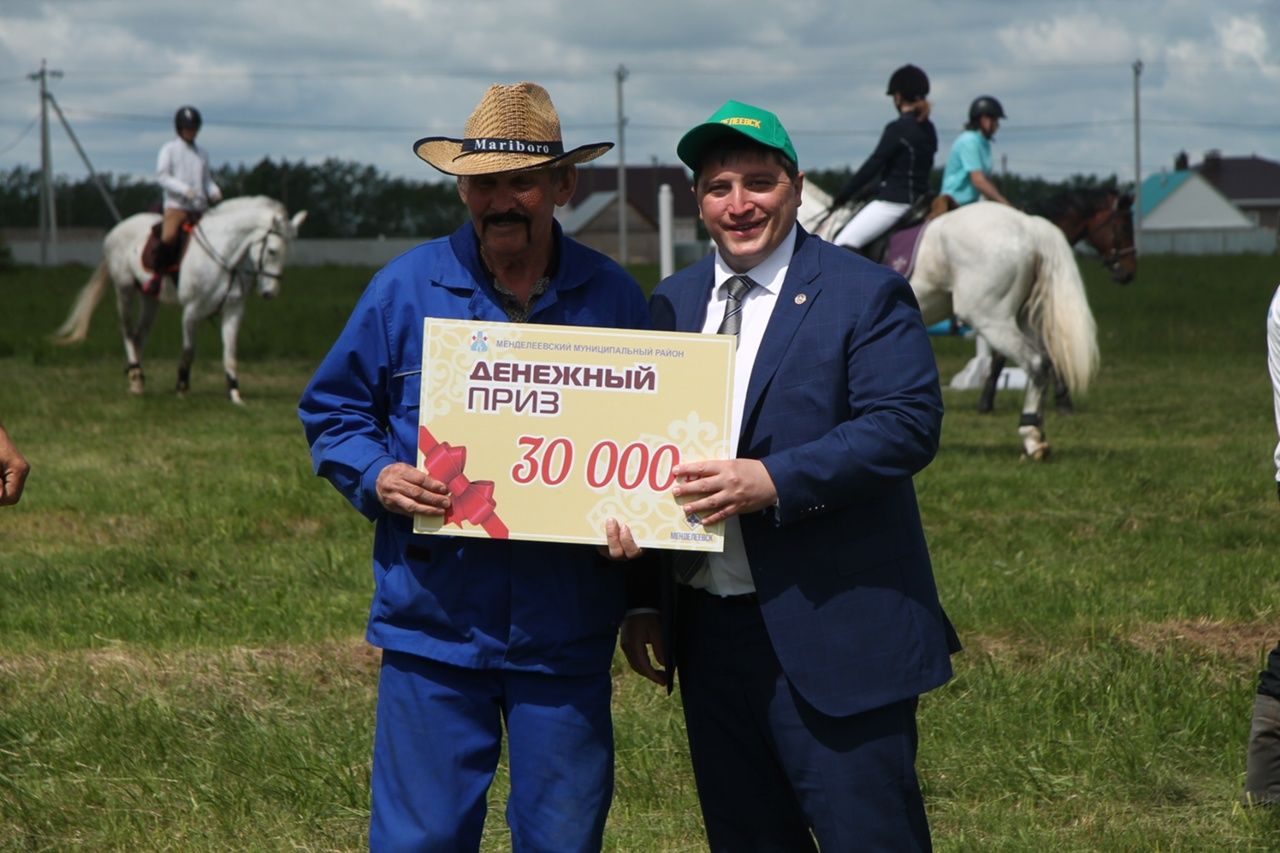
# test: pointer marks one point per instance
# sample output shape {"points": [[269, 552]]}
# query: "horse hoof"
{"points": [[234, 395], [137, 382], [1066, 409], [985, 408], [1037, 454]]}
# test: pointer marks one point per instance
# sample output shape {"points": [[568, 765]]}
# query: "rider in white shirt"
{"points": [[183, 172]]}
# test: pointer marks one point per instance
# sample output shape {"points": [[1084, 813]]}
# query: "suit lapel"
{"points": [[691, 307], [799, 291]]}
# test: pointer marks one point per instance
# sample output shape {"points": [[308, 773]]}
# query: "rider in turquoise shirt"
{"points": [[967, 175]]}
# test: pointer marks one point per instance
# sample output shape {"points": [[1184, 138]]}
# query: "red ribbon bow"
{"points": [[471, 502]]}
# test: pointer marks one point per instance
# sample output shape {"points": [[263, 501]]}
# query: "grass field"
{"points": [[182, 602]]}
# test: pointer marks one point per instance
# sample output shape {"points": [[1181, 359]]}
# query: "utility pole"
{"points": [[102, 190], [1137, 160], [48, 211], [622, 171]]}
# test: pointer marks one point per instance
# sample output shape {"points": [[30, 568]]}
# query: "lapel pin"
{"points": [[800, 298]]}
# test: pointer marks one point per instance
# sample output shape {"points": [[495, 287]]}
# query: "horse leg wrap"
{"points": [[1034, 443], [137, 380], [1030, 419], [233, 390]]}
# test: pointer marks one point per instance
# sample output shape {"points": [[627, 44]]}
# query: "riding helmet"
{"points": [[187, 117], [985, 105], [910, 82]]}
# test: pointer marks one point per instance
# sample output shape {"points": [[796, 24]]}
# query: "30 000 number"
{"points": [[550, 461]]}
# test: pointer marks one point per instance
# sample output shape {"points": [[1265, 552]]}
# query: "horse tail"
{"points": [[76, 327], [1059, 310]]}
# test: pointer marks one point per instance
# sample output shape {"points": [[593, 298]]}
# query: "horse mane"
{"points": [[1081, 200], [242, 203]]}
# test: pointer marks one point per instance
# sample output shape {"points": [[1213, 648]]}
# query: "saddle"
{"points": [[896, 247], [166, 260]]}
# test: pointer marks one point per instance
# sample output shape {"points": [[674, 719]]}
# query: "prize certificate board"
{"points": [[543, 432]]}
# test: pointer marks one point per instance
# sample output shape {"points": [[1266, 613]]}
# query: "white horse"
{"points": [[1014, 279], [239, 240], [816, 215], [1010, 276]]}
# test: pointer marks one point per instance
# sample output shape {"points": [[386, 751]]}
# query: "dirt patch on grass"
{"points": [[1242, 641], [1003, 647], [51, 531], [253, 677]]}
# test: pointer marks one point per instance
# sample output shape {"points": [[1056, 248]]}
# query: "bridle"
{"points": [[232, 267], [1110, 259]]}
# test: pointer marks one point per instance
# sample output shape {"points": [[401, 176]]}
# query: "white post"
{"points": [[622, 171], [666, 235], [1137, 162], [48, 209]]}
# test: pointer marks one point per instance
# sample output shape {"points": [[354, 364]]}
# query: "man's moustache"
{"points": [[505, 219]]}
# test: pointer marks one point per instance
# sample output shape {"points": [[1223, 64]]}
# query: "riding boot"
{"points": [[163, 259], [1262, 766]]}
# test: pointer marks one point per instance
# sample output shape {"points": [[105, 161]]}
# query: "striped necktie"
{"points": [[686, 564], [738, 286]]}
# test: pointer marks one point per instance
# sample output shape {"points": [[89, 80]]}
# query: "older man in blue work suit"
{"points": [[478, 633]]}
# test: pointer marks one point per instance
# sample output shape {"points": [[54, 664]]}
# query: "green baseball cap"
{"points": [[735, 116]]}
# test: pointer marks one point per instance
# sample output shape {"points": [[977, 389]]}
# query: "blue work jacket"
{"points": [[477, 603]]}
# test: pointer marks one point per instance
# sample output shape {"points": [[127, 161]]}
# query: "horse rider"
{"points": [[899, 166], [966, 179], [183, 172], [967, 176]]}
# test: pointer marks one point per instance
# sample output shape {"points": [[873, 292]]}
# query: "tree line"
{"points": [[347, 199], [342, 198]]}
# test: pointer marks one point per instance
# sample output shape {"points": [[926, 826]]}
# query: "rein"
{"points": [[232, 268], [1112, 257]]}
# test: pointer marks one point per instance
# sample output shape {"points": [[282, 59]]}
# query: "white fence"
{"points": [[302, 252], [1206, 241], [376, 252]]}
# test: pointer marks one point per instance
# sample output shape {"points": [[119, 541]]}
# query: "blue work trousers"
{"points": [[437, 744]]}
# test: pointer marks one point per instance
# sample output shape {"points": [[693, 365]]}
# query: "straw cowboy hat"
{"points": [[513, 127]]}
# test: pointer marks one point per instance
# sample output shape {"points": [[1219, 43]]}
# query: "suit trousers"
{"points": [[437, 743], [773, 773]]}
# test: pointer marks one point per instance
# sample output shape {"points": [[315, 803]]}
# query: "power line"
{"points": [[560, 73], [1011, 129], [21, 136], [145, 118]]}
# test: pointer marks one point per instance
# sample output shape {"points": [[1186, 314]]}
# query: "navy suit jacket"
{"points": [[843, 407]]}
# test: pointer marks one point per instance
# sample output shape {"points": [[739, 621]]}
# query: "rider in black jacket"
{"points": [[898, 169]]}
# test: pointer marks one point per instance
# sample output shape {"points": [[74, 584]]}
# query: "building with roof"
{"points": [[1183, 213], [591, 216], [1250, 183]]}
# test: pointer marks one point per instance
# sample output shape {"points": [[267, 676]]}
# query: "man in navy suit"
{"points": [[802, 648]]}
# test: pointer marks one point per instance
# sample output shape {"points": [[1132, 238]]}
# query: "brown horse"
{"points": [[1103, 218]]}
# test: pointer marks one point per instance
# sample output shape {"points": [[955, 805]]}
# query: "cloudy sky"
{"points": [[361, 81]]}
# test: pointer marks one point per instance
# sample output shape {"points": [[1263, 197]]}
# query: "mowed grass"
{"points": [[182, 602]]}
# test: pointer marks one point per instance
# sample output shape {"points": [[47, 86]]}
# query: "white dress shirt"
{"points": [[729, 573], [182, 169]]}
